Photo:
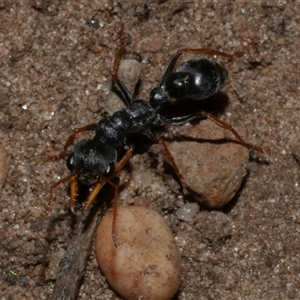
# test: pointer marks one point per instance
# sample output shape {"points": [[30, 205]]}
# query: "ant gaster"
{"points": [[97, 160]]}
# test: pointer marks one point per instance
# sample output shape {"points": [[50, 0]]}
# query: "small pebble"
{"points": [[129, 71], [3, 165], [213, 171], [141, 201], [145, 264], [35, 211], [39, 270], [187, 212]]}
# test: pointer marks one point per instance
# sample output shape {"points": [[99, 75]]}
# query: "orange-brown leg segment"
{"points": [[212, 52], [73, 192], [71, 139], [171, 161], [50, 199], [126, 97], [118, 55], [205, 51], [120, 165], [227, 126], [92, 196], [202, 114], [98, 186]]}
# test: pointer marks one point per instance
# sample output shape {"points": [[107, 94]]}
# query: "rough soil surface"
{"points": [[55, 76]]}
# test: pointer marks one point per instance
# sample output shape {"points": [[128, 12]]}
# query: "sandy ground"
{"points": [[55, 75]]}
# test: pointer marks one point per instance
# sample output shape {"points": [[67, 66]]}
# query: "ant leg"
{"points": [[50, 199], [73, 192], [120, 165], [207, 51], [126, 97], [227, 126], [212, 52], [202, 114], [70, 141], [98, 186], [119, 53], [92, 196], [168, 156]]}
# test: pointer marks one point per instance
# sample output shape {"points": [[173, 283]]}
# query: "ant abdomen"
{"points": [[196, 79]]}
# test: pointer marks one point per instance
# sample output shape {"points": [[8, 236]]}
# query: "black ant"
{"points": [[98, 160]]}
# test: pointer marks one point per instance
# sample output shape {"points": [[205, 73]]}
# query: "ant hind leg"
{"points": [[227, 126], [168, 156], [125, 94]]}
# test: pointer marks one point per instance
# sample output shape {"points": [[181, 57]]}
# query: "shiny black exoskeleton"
{"points": [[196, 79], [99, 154], [98, 160]]}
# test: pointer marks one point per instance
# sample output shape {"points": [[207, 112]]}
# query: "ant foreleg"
{"points": [[125, 158], [92, 196], [72, 177], [98, 186], [70, 141], [73, 192], [168, 156]]}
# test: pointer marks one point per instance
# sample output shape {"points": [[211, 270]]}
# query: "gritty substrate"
{"points": [[54, 76]]}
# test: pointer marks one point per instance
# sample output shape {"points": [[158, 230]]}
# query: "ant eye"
{"points": [[70, 162]]}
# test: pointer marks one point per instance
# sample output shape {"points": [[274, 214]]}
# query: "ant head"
{"points": [[92, 157], [159, 96]]}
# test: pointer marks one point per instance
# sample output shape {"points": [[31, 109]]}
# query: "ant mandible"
{"points": [[98, 160]]}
